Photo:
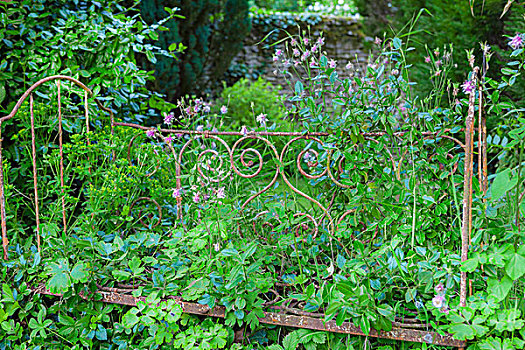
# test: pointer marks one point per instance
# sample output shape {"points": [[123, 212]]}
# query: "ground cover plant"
{"points": [[351, 226]]}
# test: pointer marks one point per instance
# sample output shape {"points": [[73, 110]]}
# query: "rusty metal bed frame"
{"points": [[301, 319]]}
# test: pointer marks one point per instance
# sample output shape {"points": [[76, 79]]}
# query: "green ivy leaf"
{"points": [[515, 267], [499, 289]]}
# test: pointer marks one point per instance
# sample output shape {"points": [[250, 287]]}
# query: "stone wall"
{"points": [[344, 41]]}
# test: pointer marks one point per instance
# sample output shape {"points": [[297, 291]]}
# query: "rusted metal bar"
{"points": [[281, 319], [5, 241], [35, 179], [61, 149], [467, 188]]}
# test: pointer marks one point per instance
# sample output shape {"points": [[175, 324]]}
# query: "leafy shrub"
{"points": [[92, 41], [246, 100]]}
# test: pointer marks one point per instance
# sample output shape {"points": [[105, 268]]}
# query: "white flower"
{"points": [[262, 119]]}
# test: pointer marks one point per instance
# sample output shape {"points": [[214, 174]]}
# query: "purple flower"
{"points": [[296, 52], [314, 48], [196, 197], [224, 109], [275, 58], [287, 63], [244, 130], [168, 139], [220, 193], [468, 86], [262, 119], [306, 41], [320, 41], [176, 193], [150, 133], [427, 59], [278, 52], [516, 42], [332, 63], [206, 109], [438, 63], [293, 42], [438, 301], [168, 118]]}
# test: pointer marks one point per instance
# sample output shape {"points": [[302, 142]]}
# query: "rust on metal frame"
{"points": [[282, 319], [270, 317]]}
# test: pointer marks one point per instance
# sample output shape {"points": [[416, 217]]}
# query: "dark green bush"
{"points": [[212, 31]]}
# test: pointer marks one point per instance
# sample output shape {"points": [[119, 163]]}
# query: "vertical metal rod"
{"points": [[467, 187], [60, 145], [5, 242], [35, 180]]}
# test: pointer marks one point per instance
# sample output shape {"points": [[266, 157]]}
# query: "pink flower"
{"points": [[206, 109], [176, 193], [296, 52], [262, 118], [220, 193], [306, 40], [224, 109], [278, 52], [293, 42], [312, 64], [438, 63], [427, 59], [436, 52], [516, 42], [439, 288], [287, 63], [320, 41], [349, 65], [332, 63], [296, 63], [378, 41], [314, 48], [275, 58], [168, 118], [438, 301], [468, 86], [244, 130], [150, 133], [196, 197], [168, 139]]}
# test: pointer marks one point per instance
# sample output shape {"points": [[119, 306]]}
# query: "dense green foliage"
{"points": [[212, 32], [95, 42]]}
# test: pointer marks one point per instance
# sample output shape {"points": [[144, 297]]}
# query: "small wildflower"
{"points": [[200, 128], [216, 247], [275, 58], [176, 193], [287, 63], [278, 52], [206, 109], [349, 65], [438, 301], [168, 139], [378, 41], [439, 288], [314, 48], [332, 63], [427, 59], [293, 42], [220, 193], [320, 41], [244, 130], [296, 52], [445, 310], [150, 133], [438, 73], [428, 338], [196, 197], [418, 304], [306, 40], [436, 52], [168, 118], [395, 72], [224, 109], [262, 119], [516, 42], [438, 63], [312, 64], [468, 86]]}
